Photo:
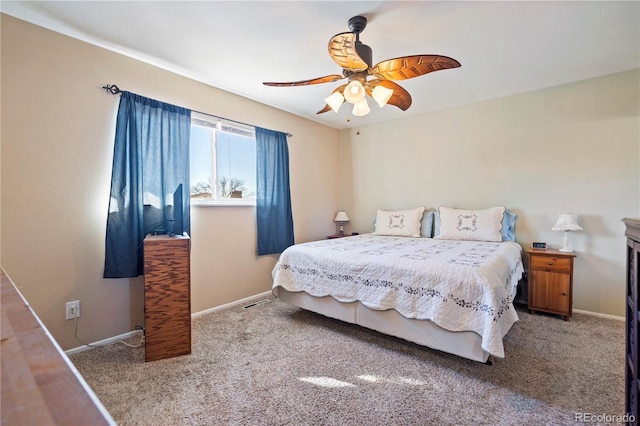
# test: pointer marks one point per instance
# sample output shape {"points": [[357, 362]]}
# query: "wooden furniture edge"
{"points": [[632, 229], [550, 252], [40, 385]]}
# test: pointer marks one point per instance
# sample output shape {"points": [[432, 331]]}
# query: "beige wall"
{"points": [[572, 148], [57, 144]]}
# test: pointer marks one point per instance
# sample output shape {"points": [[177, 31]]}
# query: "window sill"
{"points": [[223, 203]]}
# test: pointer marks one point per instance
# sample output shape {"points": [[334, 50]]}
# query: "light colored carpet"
{"points": [[275, 364]]}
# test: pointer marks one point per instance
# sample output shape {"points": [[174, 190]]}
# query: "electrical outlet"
{"points": [[73, 309]]}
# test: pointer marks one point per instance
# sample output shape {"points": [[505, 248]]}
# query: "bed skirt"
{"points": [[466, 344]]}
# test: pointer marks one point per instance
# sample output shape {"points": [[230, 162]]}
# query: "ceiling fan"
{"points": [[355, 58]]}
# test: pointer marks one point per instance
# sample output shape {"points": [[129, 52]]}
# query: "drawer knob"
{"points": [[550, 263], [564, 294]]}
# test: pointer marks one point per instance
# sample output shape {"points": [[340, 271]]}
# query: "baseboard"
{"points": [[597, 314], [231, 304], [104, 342], [579, 311]]}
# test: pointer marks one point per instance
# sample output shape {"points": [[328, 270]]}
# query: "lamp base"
{"points": [[565, 243]]}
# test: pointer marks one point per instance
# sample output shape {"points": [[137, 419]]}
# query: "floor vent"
{"points": [[259, 302]]}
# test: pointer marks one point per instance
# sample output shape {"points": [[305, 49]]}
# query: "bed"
{"points": [[449, 293]]}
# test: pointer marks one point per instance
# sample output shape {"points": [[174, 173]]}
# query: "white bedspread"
{"points": [[459, 285]]}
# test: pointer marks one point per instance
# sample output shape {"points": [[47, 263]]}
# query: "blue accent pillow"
{"points": [[509, 226], [426, 224], [508, 230]]}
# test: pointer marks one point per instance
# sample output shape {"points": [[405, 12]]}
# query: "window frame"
{"points": [[221, 125]]}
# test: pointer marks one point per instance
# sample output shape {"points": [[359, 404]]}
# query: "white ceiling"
{"points": [[504, 47]]}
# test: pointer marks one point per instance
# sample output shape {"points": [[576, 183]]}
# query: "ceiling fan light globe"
{"points": [[335, 101], [354, 92], [382, 95], [361, 108]]}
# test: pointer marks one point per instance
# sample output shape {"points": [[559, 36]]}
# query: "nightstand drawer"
{"points": [[550, 263]]}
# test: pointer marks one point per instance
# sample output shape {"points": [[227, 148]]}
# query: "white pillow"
{"points": [[474, 225], [400, 223]]}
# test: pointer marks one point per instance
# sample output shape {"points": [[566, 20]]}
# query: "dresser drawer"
{"points": [[550, 263]]}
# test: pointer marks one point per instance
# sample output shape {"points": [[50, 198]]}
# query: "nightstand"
{"points": [[551, 282]]}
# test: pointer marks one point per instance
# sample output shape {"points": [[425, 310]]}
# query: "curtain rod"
{"points": [[115, 90]]}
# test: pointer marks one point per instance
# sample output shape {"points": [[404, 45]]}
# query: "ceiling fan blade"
{"points": [[342, 49], [326, 79], [325, 109], [326, 106], [400, 98], [412, 66]]}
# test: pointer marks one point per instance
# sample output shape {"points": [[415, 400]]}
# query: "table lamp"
{"points": [[341, 218], [566, 223]]}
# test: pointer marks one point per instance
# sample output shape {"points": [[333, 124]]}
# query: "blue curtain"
{"points": [[150, 160], [273, 199]]}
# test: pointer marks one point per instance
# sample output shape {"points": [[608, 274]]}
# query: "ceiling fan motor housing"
{"points": [[365, 53]]}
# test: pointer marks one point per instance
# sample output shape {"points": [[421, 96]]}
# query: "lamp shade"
{"points": [[566, 222], [361, 108], [382, 95], [335, 101], [341, 217], [354, 92]]}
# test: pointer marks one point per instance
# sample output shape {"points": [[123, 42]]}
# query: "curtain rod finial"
{"points": [[112, 88]]}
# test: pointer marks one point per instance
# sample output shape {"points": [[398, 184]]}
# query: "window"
{"points": [[223, 162]]}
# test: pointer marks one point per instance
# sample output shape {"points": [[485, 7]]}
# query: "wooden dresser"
{"points": [[167, 296], [632, 366]]}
